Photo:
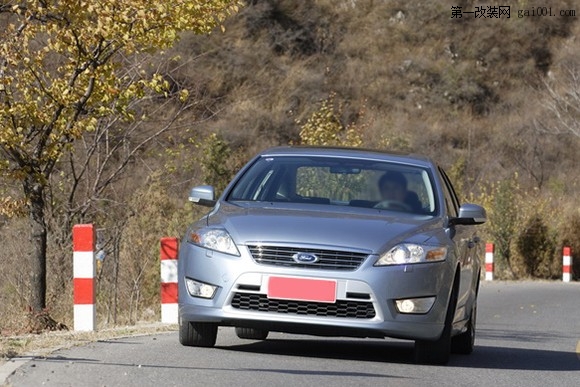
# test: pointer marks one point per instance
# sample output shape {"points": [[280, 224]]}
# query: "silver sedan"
{"points": [[334, 242]]}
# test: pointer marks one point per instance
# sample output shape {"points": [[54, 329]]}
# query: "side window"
{"points": [[451, 201]]}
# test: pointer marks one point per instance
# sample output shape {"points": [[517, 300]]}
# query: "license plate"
{"points": [[302, 289]]}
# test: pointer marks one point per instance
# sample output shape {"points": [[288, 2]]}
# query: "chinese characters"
{"points": [[483, 12]]}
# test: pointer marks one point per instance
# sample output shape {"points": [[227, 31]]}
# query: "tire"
{"points": [[465, 342], [251, 333], [196, 334], [438, 352], [435, 352]]}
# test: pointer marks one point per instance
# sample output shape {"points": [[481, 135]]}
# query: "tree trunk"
{"points": [[39, 319], [34, 192]]}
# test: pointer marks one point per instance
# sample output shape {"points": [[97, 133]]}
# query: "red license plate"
{"points": [[302, 289]]}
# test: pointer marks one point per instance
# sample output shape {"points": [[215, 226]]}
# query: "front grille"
{"points": [[327, 259], [341, 308]]}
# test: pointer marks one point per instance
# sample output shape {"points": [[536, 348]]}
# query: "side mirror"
{"points": [[203, 195], [470, 214]]}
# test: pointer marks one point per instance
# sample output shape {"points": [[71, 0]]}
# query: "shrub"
{"points": [[525, 243], [214, 162], [537, 247], [324, 127], [503, 217]]}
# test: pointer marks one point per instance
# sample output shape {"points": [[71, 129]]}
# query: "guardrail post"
{"points": [[84, 277], [489, 261], [567, 265], [169, 249]]}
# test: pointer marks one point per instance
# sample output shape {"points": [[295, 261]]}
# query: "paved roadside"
{"points": [[30, 347]]}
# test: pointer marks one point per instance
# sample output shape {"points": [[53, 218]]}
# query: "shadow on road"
{"points": [[518, 359], [71, 361], [380, 351], [521, 335], [484, 357]]}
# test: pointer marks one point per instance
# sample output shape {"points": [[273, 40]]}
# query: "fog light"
{"points": [[415, 305], [200, 289]]}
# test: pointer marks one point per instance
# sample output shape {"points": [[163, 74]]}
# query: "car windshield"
{"points": [[337, 181]]}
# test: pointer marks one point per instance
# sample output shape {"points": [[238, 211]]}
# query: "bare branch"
{"points": [[562, 101]]}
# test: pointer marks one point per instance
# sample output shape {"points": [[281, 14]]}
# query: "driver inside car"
{"points": [[394, 193]]}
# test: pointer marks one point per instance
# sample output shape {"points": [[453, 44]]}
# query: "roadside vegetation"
{"points": [[495, 101]]}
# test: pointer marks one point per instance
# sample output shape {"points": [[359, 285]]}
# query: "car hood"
{"points": [[368, 230]]}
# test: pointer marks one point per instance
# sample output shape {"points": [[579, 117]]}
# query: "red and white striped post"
{"points": [[169, 248], [489, 261], [84, 277], [567, 265]]}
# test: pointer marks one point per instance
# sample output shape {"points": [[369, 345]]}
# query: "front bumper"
{"points": [[364, 306]]}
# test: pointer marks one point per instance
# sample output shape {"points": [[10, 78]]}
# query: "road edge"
{"points": [[9, 366]]}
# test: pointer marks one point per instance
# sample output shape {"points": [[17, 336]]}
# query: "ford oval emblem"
{"points": [[305, 258]]}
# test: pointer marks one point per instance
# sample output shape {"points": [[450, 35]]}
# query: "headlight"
{"points": [[214, 239], [405, 253]]}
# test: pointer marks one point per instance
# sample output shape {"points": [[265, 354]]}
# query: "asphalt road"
{"points": [[528, 335]]}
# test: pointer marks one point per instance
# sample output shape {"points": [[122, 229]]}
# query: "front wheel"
{"points": [[465, 342], [196, 334], [251, 333], [434, 352], [438, 351]]}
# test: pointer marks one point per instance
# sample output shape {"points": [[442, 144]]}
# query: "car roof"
{"points": [[357, 153]]}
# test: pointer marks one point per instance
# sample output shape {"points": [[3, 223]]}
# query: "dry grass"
{"points": [[45, 343]]}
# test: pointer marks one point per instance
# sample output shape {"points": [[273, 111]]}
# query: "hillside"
{"points": [[494, 100], [452, 88]]}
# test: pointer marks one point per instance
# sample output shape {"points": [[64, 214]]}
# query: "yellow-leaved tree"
{"points": [[325, 128], [59, 76]]}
